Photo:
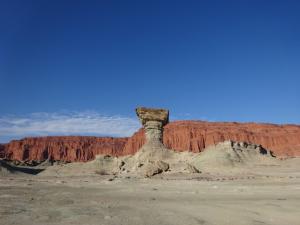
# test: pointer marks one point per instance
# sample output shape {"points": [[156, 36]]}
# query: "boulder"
{"points": [[191, 169], [153, 168]]}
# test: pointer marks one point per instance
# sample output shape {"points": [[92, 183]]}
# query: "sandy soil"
{"points": [[267, 195]]}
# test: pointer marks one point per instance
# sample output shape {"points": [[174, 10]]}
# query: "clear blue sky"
{"points": [[215, 60]]}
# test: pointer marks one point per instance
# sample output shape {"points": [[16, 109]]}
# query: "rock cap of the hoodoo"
{"points": [[152, 114]]}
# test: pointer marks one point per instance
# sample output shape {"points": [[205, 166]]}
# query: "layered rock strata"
{"points": [[194, 136], [153, 121], [149, 158], [70, 148]]}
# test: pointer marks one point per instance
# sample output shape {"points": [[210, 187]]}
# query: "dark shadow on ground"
{"points": [[18, 169]]}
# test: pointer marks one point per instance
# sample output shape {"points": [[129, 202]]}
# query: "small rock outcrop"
{"points": [[191, 169], [153, 168]]}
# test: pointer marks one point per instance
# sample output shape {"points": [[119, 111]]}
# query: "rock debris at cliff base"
{"points": [[225, 158]]}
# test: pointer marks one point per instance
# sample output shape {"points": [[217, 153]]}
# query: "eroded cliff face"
{"points": [[283, 140], [70, 148], [194, 136]]}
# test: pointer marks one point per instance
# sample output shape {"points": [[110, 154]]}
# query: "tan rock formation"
{"points": [[153, 121], [151, 114]]}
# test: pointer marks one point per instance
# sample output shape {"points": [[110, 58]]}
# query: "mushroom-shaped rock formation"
{"points": [[153, 121]]}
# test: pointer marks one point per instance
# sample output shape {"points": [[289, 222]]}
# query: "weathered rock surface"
{"points": [[191, 169], [226, 158], [153, 121], [151, 114], [153, 151], [69, 148], [233, 157], [194, 136], [153, 168]]}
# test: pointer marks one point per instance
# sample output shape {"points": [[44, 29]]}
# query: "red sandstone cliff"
{"points": [[283, 140], [67, 148]]}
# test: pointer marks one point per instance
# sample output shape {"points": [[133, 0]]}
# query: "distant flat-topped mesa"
{"points": [[153, 121]]}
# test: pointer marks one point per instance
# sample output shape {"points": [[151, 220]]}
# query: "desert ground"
{"points": [[266, 194]]}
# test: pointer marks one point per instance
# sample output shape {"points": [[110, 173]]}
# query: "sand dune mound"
{"points": [[229, 155], [224, 157]]}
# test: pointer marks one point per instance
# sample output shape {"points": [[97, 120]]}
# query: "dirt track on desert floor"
{"points": [[268, 197]]}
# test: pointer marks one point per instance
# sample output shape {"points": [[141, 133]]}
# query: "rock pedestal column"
{"points": [[151, 158], [153, 121]]}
